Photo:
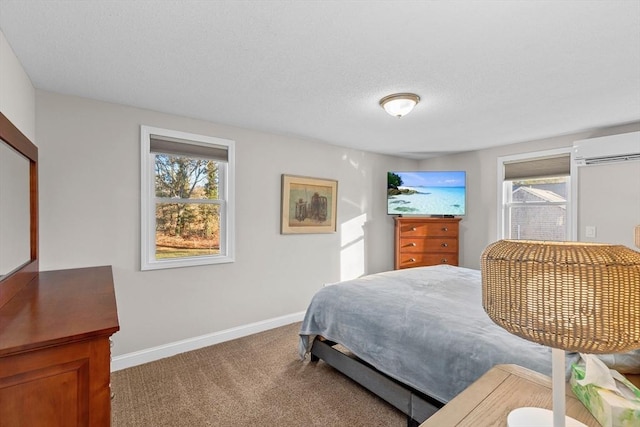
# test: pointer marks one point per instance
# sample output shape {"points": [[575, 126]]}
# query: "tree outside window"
{"points": [[187, 207]]}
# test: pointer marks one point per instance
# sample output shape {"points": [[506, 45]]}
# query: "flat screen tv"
{"points": [[427, 193]]}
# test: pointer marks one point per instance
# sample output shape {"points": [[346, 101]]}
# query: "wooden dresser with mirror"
{"points": [[55, 326]]}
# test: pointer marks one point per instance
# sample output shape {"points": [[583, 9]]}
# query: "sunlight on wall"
{"points": [[351, 161], [352, 255]]}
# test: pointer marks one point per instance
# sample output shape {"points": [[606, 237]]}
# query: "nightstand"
{"points": [[488, 401]]}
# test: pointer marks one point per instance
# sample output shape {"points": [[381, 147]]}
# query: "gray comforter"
{"points": [[423, 326]]}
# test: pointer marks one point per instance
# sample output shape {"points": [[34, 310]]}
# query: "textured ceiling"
{"points": [[488, 72]]}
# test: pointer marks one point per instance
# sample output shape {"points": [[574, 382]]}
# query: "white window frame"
{"points": [[226, 193], [503, 196]]}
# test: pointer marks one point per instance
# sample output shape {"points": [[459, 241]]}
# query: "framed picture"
{"points": [[309, 205]]}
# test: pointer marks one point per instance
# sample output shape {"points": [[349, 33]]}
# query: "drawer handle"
{"points": [[444, 229], [443, 260], [444, 245], [412, 244], [412, 260], [413, 229]]}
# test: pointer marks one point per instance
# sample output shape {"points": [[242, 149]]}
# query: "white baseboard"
{"points": [[160, 352]]}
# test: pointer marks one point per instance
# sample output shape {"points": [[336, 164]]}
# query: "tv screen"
{"points": [[434, 193]]}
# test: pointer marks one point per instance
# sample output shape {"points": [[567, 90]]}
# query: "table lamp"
{"points": [[570, 296]]}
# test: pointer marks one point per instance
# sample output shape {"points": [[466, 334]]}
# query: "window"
{"points": [[187, 208], [535, 200]]}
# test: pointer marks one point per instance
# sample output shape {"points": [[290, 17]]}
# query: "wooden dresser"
{"points": [[55, 350], [426, 241]]}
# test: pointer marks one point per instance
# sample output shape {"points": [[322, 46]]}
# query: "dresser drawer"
{"points": [[417, 244], [408, 260], [426, 241], [429, 229]]}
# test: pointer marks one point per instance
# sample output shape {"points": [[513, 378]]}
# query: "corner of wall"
{"points": [[17, 94]]}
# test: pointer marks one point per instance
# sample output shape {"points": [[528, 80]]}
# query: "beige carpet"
{"points": [[257, 380]]}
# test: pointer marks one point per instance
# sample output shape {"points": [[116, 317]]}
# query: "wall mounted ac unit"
{"points": [[607, 149]]}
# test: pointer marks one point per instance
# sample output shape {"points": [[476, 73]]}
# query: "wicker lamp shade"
{"points": [[567, 295]]}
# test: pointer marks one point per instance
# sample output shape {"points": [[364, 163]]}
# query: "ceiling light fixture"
{"points": [[399, 104]]}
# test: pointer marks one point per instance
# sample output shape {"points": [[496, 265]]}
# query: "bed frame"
{"points": [[416, 405]]}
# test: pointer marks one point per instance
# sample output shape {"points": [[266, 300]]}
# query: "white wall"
{"points": [[17, 95], [479, 226], [609, 201], [89, 215]]}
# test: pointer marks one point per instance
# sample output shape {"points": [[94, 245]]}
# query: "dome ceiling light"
{"points": [[399, 104]]}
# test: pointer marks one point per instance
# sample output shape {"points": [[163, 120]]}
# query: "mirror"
{"points": [[15, 250], [18, 210]]}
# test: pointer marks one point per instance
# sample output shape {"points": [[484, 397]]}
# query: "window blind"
{"points": [[178, 147], [538, 168]]}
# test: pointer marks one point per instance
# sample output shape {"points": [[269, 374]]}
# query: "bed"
{"points": [[416, 337]]}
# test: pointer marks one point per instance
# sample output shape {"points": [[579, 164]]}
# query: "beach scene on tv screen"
{"points": [[426, 193]]}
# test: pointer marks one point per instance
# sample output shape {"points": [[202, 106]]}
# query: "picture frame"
{"points": [[309, 205]]}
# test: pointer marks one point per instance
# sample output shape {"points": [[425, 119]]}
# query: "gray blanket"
{"points": [[423, 326]]}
